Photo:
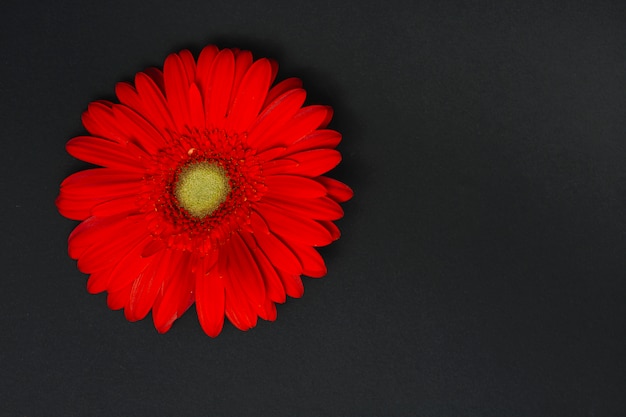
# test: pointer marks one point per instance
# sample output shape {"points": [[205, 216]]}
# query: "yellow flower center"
{"points": [[201, 188]]}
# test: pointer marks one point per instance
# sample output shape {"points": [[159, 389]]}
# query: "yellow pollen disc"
{"points": [[201, 188]]}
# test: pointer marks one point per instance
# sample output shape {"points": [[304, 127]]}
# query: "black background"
{"points": [[481, 268]]}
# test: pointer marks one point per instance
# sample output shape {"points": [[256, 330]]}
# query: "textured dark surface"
{"points": [[481, 271]]}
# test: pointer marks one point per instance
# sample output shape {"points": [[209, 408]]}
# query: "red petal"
{"points": [[274, 65], [293, 186], [245, 272], [99, 281], [157, 76], [322, 208], [271, 153], [203, 68], [107, 253], [250, 95], [313, 163], [139, 130], [272, 282], [275, 117], [99, 184], [278, 254], [103, 152], [209, 298], [189, 63], [305, 121], [236, 306], [298, 229], [176, 90], [95, 229], [332, 229], [128, 96], [293, 284], [243, 60], [76, 207], [179, 289], [147, 285], [338, 191], [129, 266], [279, 166], [319, 139], [187, 292], [196, 108], [124, 205], [237, 309], [218, 89], [281, 88], [119, 299], [98, 119], [154, 106], [257, 224], [269, 310], [312, 262], [154, 246]]}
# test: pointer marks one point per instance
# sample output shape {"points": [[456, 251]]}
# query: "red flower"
{"points": [[211, 191]]}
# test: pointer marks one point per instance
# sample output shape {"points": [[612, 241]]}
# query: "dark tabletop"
{"points": [[481, 270]]}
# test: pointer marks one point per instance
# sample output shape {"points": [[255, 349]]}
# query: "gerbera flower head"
{"points": [[210, 189]]}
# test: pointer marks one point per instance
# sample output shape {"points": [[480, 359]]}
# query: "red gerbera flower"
{"points": [[210, 191]]}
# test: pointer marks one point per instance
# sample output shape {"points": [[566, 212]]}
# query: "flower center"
{"points": [[201, 188]]}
